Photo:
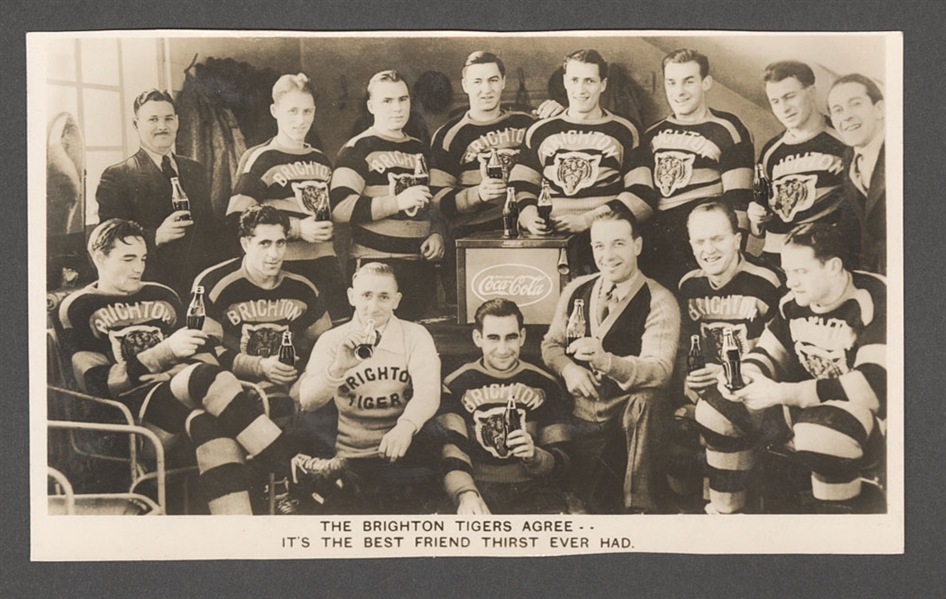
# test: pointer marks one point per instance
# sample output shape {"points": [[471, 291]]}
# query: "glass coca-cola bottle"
{"points": [[494, 168], [196, 311], [695, 359], [575, 329], [732, 361], [179, 199], [544, 205], [510, 215], [287, 353]]}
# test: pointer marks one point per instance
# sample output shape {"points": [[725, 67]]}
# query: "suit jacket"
{"points": [[137, 190], [867, 215]]}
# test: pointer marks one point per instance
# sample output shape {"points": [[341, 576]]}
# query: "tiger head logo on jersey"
{"points": [[261, 339], [508, 157], [822, 363], [793, 194], [713, 333], [672, 171], [491, 430], [311, 195], [131, 341], [575, 171]]}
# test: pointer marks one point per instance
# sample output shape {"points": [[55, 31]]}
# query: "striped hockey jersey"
{"points": [[472, 412], [745, 303], [371, 170], [250, 320], [843, 348], [115, 339], [807, 182], [459, 153], [292, 180], [698, 161], [587, 163]]}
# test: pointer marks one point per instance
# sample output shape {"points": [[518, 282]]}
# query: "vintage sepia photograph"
{"points": [[392, 294]]}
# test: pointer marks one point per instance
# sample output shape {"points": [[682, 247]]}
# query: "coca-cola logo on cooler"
{"points": [[522, 283]]}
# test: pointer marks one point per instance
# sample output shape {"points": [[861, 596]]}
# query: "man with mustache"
{"points": [[180, 243]]}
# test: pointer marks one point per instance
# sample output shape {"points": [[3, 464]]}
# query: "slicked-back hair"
{"points": [[779, 71], [825, 240], [873, 90], [375, 268], [388, 76], [153, 95], [588, 57], [684, 55], [106, 235], [262, 214], [618, 216], [288, 83], [497, 307], [714, 206], [483, 57]]}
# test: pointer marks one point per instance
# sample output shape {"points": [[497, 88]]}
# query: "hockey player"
{"points": [[127, 343], [822, 364], [696, 154], [492, 465], [467, 197], [383, 374], [617, 373], [292, 176], [726, 291], [377, 187], [252, 301], [589, 157], [803, 163]]}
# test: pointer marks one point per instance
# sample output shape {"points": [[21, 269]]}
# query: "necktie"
{"points": [[606, 302], [167, 168], [858, 173]]}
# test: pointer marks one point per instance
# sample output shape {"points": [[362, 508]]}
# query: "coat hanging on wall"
{"points": [[209, 133]]}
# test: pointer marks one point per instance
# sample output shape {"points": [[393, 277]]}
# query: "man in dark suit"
{"points": [[180, 243], [857, 109]]}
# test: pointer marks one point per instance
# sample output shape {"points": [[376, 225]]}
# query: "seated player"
{"points": [[126, 339], [821, 364], [617, 372], [251, 302], [727, 291], [293, 177], [488, 466], [383, 399], [380, 188]]}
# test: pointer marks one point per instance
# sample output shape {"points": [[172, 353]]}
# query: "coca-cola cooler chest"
{"points": [[530, 271]]}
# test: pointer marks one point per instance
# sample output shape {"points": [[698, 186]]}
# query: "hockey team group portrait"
{"points": [[437, 274]]}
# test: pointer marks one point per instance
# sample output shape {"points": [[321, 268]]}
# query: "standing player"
{"points": [[822, 364], [126, 342], [726, 291], [803, 163], [858, 113], [696, 154], [374, 188], [617, 373], [590, 159], [383, 399], [293, 177], [251, 302], [489, 467], [467, 197], [180, 242]]}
